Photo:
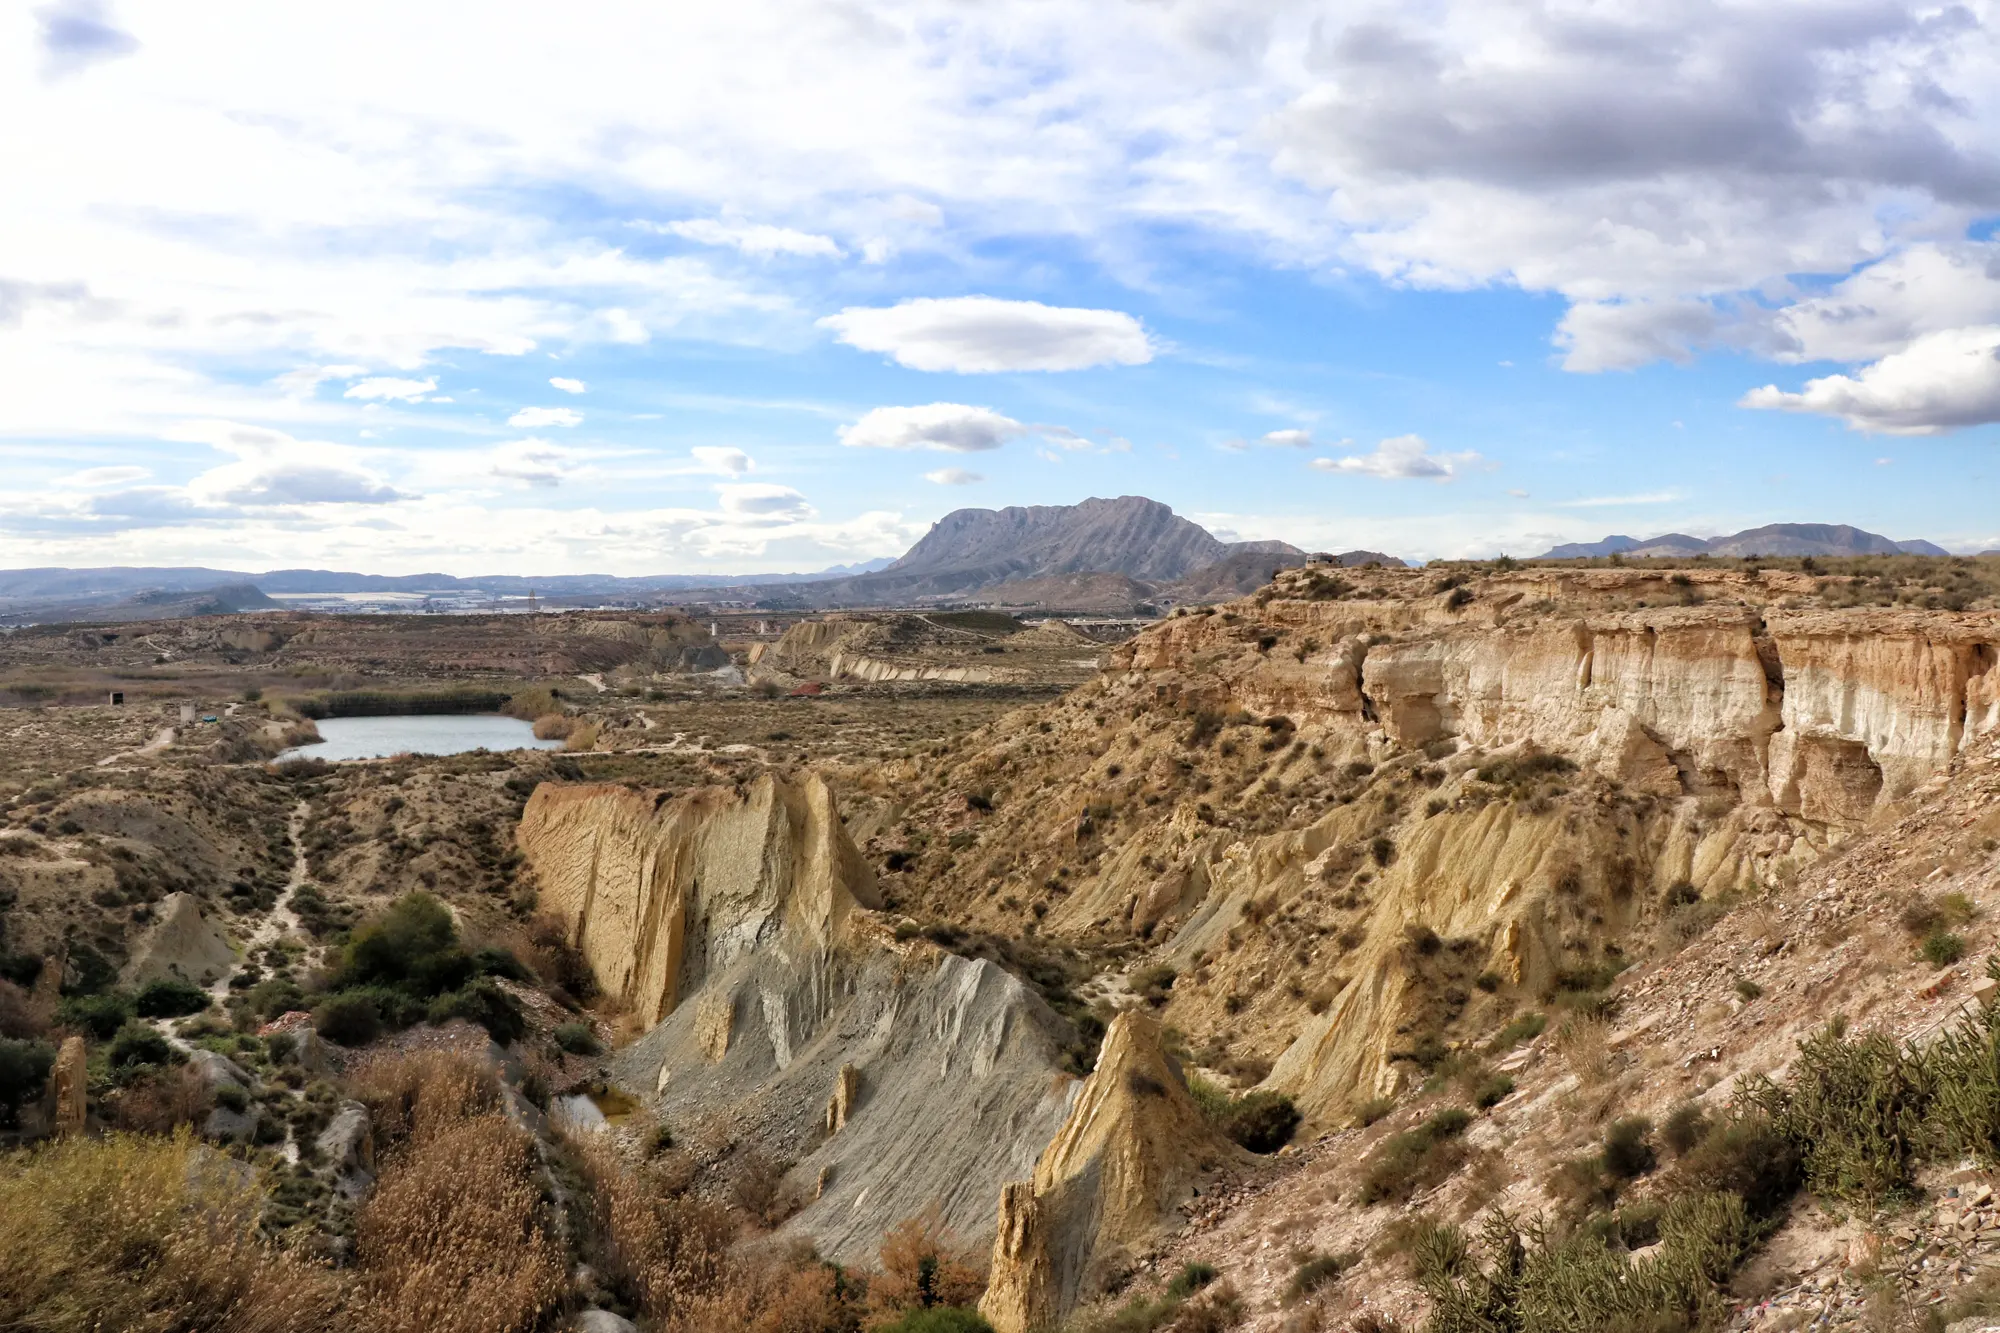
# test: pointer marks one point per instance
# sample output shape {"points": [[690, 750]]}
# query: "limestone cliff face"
{"points": [[1822, 714], [660, 893], [1132, 1149]]}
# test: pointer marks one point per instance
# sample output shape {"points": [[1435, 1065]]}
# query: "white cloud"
{"points": [[534, 418], [1941, 382], [76, 34], [979, 334], [379, 388], [95, 478], [763, 501], [568, 385], [950, 427], [1288, 439], [724, 461], [535, 462], [1402, 457], [754, 239], [953, 476]]}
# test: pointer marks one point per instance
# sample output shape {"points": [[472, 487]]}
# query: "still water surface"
{"points": [[379, 737]]}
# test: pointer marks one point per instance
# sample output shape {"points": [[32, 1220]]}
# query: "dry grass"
{"points": [[456, 1238], [923, 1266], [665, 1251], [1584, 1044], [141, 1233], [164, 1102], [413, 1096]]}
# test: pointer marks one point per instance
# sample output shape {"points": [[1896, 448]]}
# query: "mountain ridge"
{"points": [[1772, 539]]}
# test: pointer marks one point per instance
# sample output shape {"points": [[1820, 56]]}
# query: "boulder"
{"points": [[603, 1321], [347, 1146]]}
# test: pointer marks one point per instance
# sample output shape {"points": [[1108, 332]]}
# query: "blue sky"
{"points": [[477, 290]]}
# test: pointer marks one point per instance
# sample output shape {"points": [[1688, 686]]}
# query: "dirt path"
{"points": [[161, 740]]}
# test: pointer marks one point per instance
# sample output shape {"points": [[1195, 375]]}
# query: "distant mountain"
{"points": [[60, 593], [1774, 539], [970, 553]]}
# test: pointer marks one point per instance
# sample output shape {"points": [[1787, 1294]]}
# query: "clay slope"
{"points": [[1361, 816], [885, 1076]]}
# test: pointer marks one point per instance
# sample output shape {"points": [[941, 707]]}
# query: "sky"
{"points": [[636, 288]]}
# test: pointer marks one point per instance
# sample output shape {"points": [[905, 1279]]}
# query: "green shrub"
{"points": [[482, 1002], [1263, 1122], [412, 947], [1748, 990], [1628, 1148], [1744, 1155], [1942, 948], [1525, 1028], [98, 1016], [1683, 1128], [232, 1096], [1192, 1278], [1493, 1091], [350, 1019], [137, 1044], [24, 1070], [1855, 1109], [1316, 1271], [170, 997], [577, 1039], [1415, 1159]]}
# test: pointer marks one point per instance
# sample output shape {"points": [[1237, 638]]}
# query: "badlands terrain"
{"points": [[1592, 945]]}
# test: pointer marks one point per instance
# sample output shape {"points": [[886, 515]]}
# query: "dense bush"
{"points": [[97, 1016], [948, 1319], [577, 1039], [137, 1044], [1263, 1122], [483, 1002], [351, 1019], [24, 1069], [170, 997]]}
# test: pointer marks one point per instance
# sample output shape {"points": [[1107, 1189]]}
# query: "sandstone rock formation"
{"points": [[660, 895], [69, 1081], [740, 925], [1132, 1149], [1331, 781], [182, 943]]}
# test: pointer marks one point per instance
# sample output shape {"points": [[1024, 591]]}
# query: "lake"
{"points": [[453, 733]]}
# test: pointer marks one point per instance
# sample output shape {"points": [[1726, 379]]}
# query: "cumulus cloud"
{"points": [[754, 239], [950, 427], [534, 418], [761, 500], [1941, 382], [722, 460], [953, 476], [535, 462], [79, 33], [981, 335], [272, 468], [1623, 335], [1402, 457], [568, 385], [377, 388], [1288, 439]]}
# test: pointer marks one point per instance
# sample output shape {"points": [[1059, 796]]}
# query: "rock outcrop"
{"points": [[740, 925], [69, 1082], [1133, 1148], [659, 895], [182, 943]]}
